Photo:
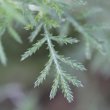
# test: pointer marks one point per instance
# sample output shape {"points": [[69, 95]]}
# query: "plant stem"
{"points": [[52, 51]]}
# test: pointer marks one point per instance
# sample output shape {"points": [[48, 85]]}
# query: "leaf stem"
{"points": [[52, 51]]}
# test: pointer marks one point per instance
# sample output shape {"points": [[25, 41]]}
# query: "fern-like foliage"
{"points": [[46, 20], [48, 15], [9, 12], [55, 59]]}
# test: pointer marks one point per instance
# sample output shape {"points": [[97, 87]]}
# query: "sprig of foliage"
{"points": [[33, 49], [44, 73], [64, 40], [8, 14], [37, 15], [54, 59]]}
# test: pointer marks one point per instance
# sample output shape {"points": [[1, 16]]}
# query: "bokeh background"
{"points": [[17, 78]]}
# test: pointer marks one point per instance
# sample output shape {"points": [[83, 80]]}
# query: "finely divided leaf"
{"points": [[64, 40], [73, 80], [35, 33], [54, 87], [74, 64], [44, 73], [66, 90], [33, 49]]}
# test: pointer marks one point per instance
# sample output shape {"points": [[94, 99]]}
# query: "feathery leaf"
{"points": [[44, 73], [55, 86], [33, 49], [66, 89]]}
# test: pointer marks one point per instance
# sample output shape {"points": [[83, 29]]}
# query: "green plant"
{"points": [[46, 15]]}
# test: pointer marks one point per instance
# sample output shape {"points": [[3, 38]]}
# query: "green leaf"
{"points": [[55, 86], [3, 58], [73, 63], [35, 33], [11, 11], [14, 34], [66, 89], [73, 80], [64, 40], [33, 49], [44, 73]]}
